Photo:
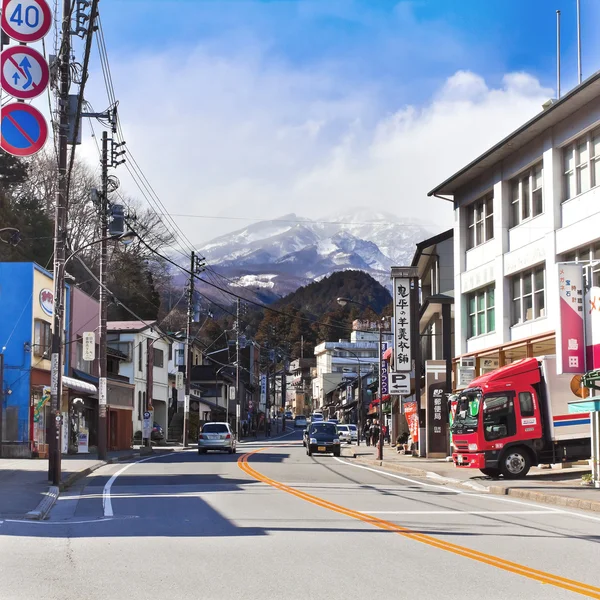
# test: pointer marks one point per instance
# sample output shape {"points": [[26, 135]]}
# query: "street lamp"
{"points": [[359, 403]]}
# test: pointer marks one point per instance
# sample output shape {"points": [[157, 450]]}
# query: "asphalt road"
{"points": [[271, 522]]}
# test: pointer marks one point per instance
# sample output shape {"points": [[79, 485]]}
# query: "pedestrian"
{"points": [[375, 434], [367, 433]]}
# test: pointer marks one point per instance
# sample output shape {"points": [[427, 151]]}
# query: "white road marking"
{"points": [[459, 512], [106, 501], [460, 492], [30, 522]]}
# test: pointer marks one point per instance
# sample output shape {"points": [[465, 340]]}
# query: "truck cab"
{"points": [[507, 420]]}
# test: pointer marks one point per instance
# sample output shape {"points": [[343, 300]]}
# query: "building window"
{"points": [[140, 405], [159, 358], [587, 254], [480, 221], [482, 314], [180, 357], [528, 298], [140, 357], [581, 161], [42, 338], [526, 196]]}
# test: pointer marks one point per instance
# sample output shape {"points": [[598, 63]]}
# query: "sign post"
{"points": [[147, 425]]}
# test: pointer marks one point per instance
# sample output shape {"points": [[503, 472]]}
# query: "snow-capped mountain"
{"points": [[278, 256]]}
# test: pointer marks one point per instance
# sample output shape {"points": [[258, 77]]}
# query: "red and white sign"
{"points": [[23, 129], [412, 418], [26, 20], [24, 72], [592, 328], [47, 301], [570, 334]]}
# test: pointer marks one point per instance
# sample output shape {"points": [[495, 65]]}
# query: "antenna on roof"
{"points": [[558, 54], [579, 75]]}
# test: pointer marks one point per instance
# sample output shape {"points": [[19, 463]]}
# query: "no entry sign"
{"points": [[24, 72], [26, 20], [23, 130]]}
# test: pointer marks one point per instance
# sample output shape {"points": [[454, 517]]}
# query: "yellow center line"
{"points": [[494, 561]]}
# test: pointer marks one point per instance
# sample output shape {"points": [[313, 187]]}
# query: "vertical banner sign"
{"points": [[569, 335], [412, 419], [385, 388], [150, 375], [592, 328], [437, 408], [402, 346], [263, 388], [89, 345]]}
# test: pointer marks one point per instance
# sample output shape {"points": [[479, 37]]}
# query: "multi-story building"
{"points": [[300, 380], [339, 360], [144, 351], [27, 307], [530, 202]]}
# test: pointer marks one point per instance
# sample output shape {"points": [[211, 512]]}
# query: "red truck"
{"points": [[518, 416]]}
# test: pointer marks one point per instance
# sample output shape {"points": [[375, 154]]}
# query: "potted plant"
{"points": [[586, 479]]}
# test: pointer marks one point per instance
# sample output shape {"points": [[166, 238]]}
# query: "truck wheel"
{"points": [[515, 463], [490, 472]]}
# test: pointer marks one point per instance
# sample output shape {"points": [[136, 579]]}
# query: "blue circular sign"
{"points": [[23, 129]]}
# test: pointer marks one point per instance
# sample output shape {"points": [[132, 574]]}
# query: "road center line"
{"points": [[494, 561]]}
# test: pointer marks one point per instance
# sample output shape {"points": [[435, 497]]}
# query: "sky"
{"points": [[243, 110]]}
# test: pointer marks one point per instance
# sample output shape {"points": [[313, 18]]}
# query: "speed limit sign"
{"points": [[26, 20]]}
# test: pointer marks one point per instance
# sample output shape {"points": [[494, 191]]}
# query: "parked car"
{"points": [[300, 421], [353, 431], [344, 433], [323, 438], [158, 433], [216, 436]]}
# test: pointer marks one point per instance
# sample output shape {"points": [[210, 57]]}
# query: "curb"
{"points": [[499, 490], [46, 505]]}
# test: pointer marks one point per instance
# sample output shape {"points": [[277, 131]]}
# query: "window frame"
{"points": [[534, 293], [473, 329], [526, 180], [42, 338], [480, 214], [590, 166], [157, 352]]}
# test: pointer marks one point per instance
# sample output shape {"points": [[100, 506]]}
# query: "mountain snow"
{"points": [[284, 253]]}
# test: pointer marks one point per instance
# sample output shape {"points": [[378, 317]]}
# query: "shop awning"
{"points": [[83, 387]]}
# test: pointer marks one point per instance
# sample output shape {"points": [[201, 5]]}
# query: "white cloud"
{"points": [[242, 136]]}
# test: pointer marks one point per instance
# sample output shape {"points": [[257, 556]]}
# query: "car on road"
{"points": [[316, 417], [216, 436], [344, 433], [323, 438], [288, 415], [300, 421], [353, 431], [336, 421]]}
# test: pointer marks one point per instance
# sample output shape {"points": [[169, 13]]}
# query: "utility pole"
{"points": [[188, 351], [53, 427], [237, 371], [380, 412], [102, 396]]}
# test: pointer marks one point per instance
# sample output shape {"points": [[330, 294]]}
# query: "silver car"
{"points": [[344, 433], [216, 436]]}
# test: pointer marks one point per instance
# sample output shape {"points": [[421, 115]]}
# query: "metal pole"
{"points": [[53, 427], [579, 72], [359, 405], [188, 352], [380, 415], [102, 382], [558, 54], [237, 371], [1, 399]]}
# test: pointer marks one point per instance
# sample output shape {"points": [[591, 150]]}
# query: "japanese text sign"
{"points": [[402, 325]]}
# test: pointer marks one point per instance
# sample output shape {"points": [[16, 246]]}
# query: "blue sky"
{"points": [[277, 105]]}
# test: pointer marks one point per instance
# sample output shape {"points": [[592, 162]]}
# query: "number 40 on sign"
{"points": [[26, 20]]}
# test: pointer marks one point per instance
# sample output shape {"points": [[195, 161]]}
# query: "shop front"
{"points": [[120, 414]]}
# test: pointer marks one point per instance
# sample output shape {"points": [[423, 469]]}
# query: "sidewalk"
{"points": [[560, 487], [24, 483]]}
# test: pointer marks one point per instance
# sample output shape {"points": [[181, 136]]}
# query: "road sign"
{"points": [[89, 345], [399, 383], [23, 130], [24, 72], [179, 380], [26, 20]]}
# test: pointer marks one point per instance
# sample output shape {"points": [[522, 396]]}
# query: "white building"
{"points": [[149, 349], [333, 365], [528, 203]]}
